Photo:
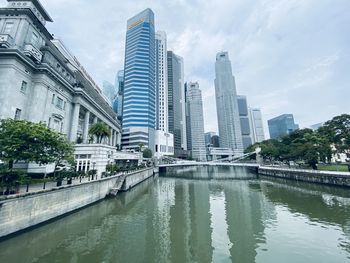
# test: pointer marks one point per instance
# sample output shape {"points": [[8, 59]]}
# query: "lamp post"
{"points": [[93, 168]]}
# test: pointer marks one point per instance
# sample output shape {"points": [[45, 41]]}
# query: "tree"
{"points": [[32, 142], [337, 132], [147, 153], [100, 130]]}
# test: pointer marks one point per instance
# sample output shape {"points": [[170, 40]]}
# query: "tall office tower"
{"points": [[162, 82], [139, 112], [282, 125], [176, 103], [195, 122], [164, 141], [256, 125], [227, 106], [109, 91], [244, 119], [118, 103]]}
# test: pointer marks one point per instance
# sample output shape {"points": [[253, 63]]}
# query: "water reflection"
{"points": [[176, 220]]}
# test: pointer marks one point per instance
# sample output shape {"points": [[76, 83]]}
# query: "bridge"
{"points": [[229, 161]]}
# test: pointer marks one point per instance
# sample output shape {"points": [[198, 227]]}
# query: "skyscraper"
{"points": [[164, 141], [139, 102], [227, 106], [207, 137], [256, 125], [282, 125], [195, 122], [244, 120], [176, 103], [162, 82], [118, 103]]}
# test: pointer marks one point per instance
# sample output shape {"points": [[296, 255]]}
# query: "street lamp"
{"points": [[93, 169]]}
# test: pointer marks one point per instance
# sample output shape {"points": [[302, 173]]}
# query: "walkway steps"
{"points": [[118, 185]]}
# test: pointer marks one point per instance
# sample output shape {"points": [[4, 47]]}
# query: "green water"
{"points": [[186, 217]]}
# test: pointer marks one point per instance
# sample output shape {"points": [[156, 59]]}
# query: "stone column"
{"points": [[114, 138], [110, 142], [95, 120], [75, 123], [86, 127]]}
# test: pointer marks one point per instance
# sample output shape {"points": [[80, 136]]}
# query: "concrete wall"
{"points": [[137, 177], [27, 210], [321, 177]]}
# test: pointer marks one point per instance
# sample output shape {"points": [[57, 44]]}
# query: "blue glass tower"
{"points": [[139, 100]]}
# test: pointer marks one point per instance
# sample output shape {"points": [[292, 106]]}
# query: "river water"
{"points": [[198, 215]]}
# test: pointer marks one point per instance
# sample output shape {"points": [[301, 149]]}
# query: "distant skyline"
{"points": [[288, 56]]}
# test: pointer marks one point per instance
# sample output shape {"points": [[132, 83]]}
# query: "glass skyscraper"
{"points": [[244, 119], [282, 125], [139, 113], [227, 105]]}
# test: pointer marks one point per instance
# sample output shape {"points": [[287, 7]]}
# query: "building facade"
{"points": [[244, 120], [256, 125], [118, 103], [282, 125], [227, 107], [139, 99], [207, 138], [176, 103], [195, 122], [41, 81]]}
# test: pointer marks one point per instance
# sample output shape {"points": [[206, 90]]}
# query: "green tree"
{"points": [[337, 132], [147, 153], [100, 130]]}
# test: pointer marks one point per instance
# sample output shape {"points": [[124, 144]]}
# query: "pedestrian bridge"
{"points": [[186, 164]]}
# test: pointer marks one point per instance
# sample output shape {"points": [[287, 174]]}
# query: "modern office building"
{"points": [[316, 126], [244, 120], [256, 125], [109, 91], [118, 102], [282, 125], [176, 103], [139, 100], [41, 81], [195, 122], [164, 141], [227, 107], [207, 137]]}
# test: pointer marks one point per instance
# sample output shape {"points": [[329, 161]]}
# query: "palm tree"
{"points": [[100, 130]]}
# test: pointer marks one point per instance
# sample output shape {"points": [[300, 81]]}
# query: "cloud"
{"points": [[288, 56]]}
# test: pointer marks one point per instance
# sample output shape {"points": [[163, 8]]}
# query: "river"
{"points": [[198, 215]]}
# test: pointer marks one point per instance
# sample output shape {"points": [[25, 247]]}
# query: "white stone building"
{"points": [[41, 81]]}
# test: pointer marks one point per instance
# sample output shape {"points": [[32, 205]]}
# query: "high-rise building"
{"points": [[109, 91], [207, 137], [139, 100], [244, 120], [162, 82], [176, 103], [118, 102], [195, 122], [256, 125], [282, 125], [227, 107], [164, 141]]}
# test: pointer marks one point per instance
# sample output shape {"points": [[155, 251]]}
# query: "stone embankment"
{"points": [[19, 212], [312, 176]]}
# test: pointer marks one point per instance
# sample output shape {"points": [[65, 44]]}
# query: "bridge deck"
{"points": [[209, 164]]}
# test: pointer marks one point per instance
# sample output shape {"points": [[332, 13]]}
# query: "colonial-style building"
{"points": [[41, 81]]}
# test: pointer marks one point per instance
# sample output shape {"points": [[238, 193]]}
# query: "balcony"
{"points": [[6, 40], [33, 52]]}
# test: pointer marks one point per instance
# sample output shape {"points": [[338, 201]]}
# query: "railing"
{"points": [[33, 52], [6, 40]]}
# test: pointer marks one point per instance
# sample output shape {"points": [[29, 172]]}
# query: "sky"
{"points": [[288, 56]]}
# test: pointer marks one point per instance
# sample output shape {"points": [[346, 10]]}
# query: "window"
{"points": [[18, 114], [53, 99], [24, 87], [8, 28], [59, 103]]}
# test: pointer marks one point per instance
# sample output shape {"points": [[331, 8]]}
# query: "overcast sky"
{"points": [[288, 56]]}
